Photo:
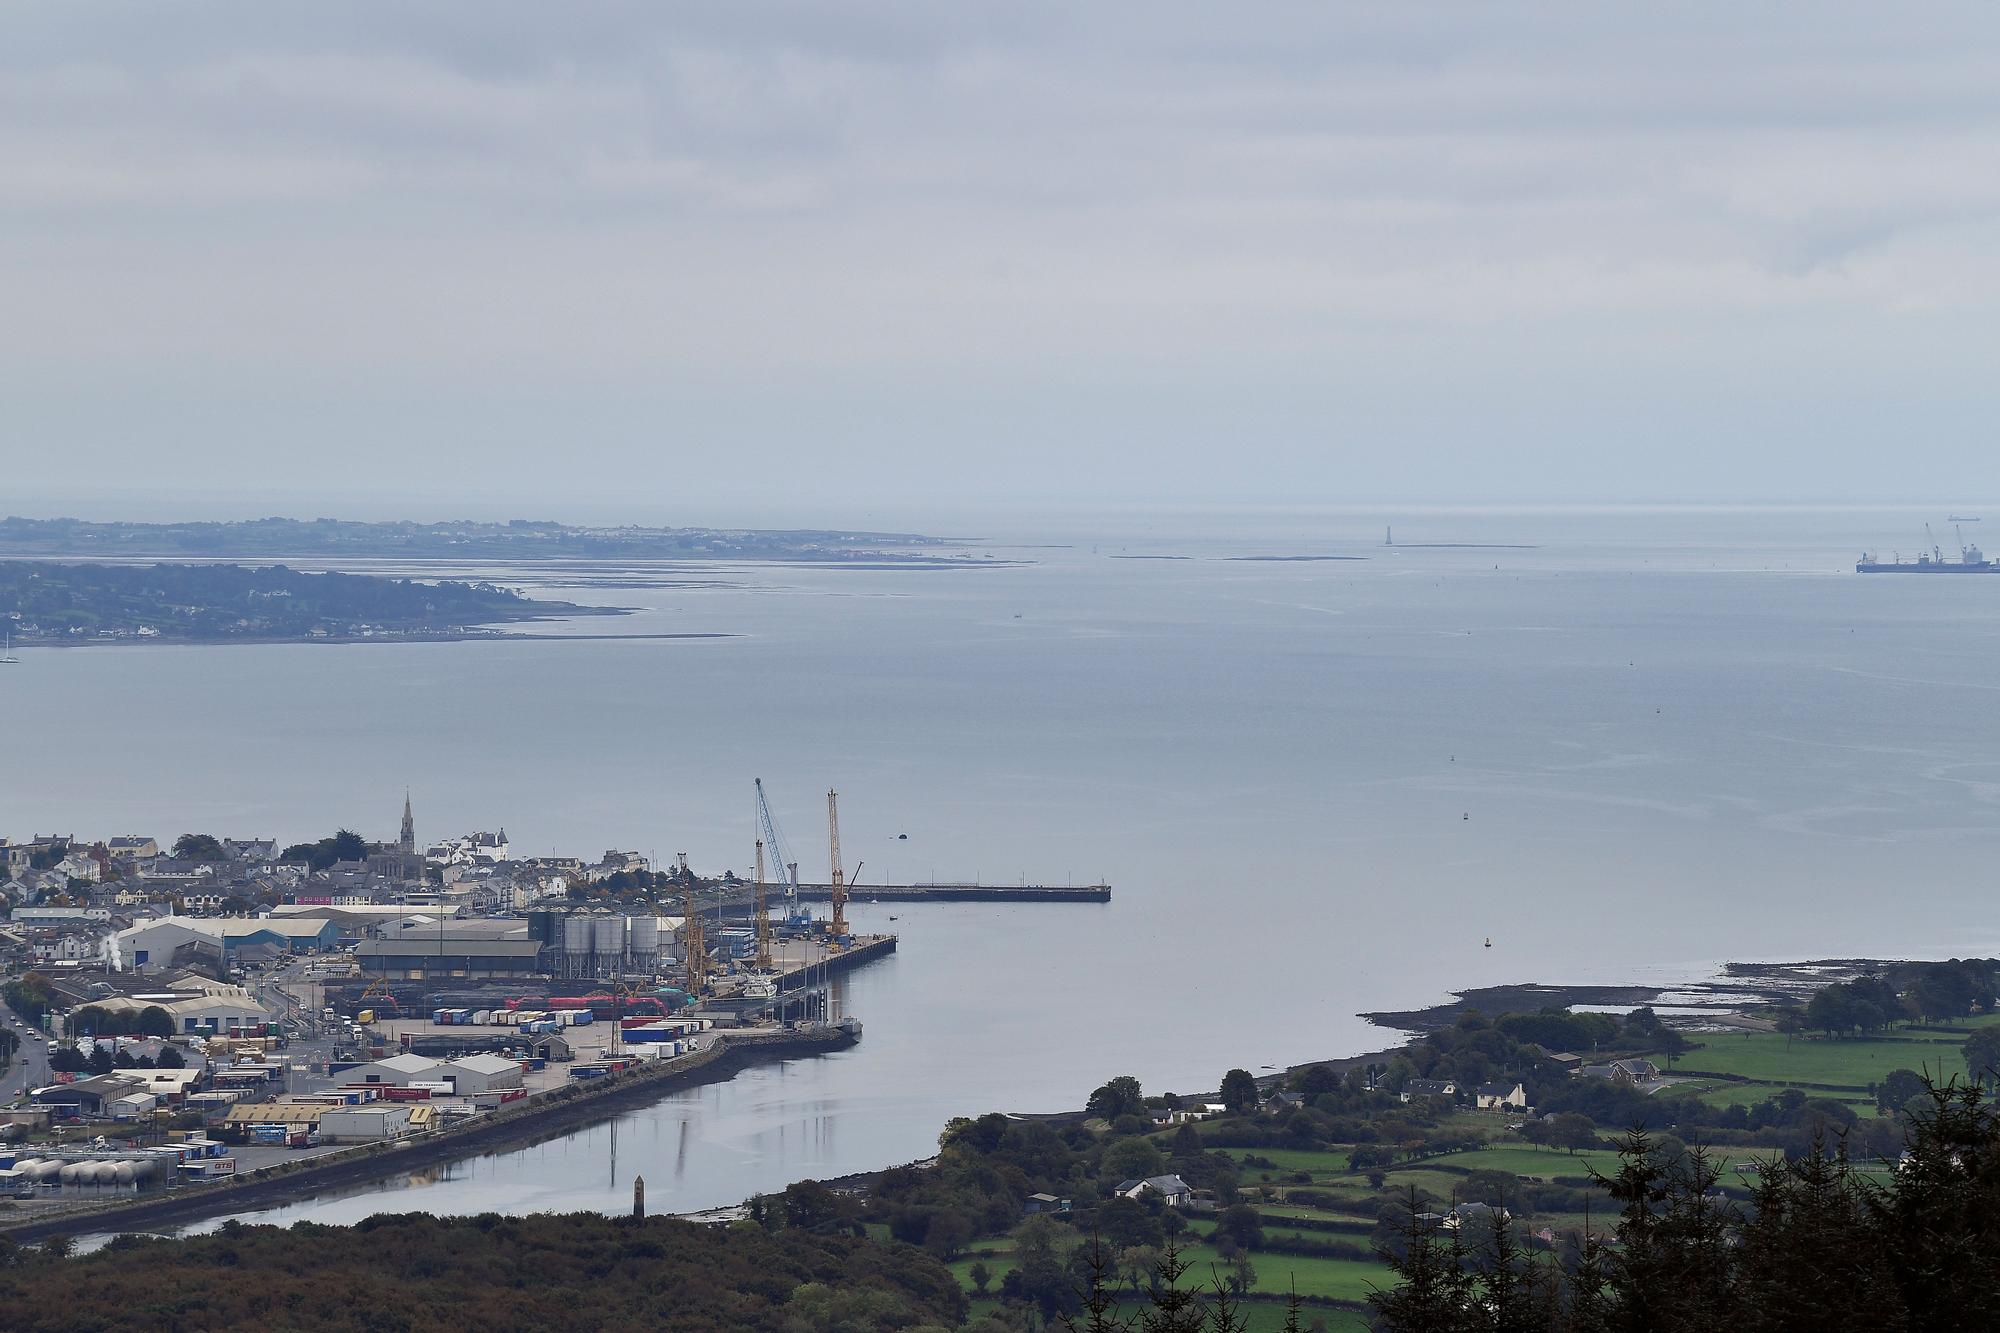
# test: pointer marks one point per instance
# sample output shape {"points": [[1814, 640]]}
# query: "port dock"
{"points": [[954, 893]]}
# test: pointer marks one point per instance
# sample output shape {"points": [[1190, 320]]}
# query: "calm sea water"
{"points": [[1657, 740]]}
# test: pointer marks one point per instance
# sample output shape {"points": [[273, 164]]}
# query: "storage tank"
{"points": [[71, 1173], [48, 1169], [645, 932], [576, 946], [124, 1173], [607, 939]]}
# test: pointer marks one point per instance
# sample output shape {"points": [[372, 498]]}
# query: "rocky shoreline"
{"points": [[1741, 986]]}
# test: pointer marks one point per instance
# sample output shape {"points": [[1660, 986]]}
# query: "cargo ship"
{"points": [[1971, 560]]}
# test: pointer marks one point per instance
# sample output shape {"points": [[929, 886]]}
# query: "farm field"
{"points": [[1336, 1279], [1527, 1160], [1850, 1063]]}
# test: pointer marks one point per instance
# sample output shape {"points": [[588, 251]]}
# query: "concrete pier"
{"points": [[934, 893]]}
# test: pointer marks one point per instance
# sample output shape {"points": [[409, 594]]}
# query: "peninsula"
{"points": [[46, 602]]}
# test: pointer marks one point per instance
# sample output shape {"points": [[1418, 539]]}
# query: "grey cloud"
{"points": [[922, 231]]}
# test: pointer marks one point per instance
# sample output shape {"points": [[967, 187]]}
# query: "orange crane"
{"points": [[763, 916], [378, 987], [838, 927]]}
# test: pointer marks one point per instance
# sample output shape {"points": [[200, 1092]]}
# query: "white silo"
{"points": [[645, 937], [576, 945], [607, 942]]}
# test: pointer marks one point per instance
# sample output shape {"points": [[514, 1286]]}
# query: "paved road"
{"points": [[30, 1067]]}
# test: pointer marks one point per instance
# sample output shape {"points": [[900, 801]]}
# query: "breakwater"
{"points": [[961, 893]]}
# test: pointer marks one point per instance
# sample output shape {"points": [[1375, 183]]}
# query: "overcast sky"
{"points": [[702, 262]]}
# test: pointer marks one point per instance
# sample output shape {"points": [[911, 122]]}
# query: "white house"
{"points": [[1501, 1097], [1173, 1191]]}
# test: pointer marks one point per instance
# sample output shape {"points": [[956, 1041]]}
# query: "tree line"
{"points": [[579, 1271], [1822, 1243]]}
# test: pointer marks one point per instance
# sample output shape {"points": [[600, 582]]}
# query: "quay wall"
{"points": [[519, 1125], [962, 893]]}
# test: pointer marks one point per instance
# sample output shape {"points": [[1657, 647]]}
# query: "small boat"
{"points": [[7, 653], [1489, 941]]}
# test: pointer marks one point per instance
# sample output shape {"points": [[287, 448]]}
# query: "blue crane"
{"points": [[774, 842]]}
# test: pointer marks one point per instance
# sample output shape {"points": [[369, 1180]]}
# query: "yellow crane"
{"points": [[838, 927], [697, 948], [763, 916]]}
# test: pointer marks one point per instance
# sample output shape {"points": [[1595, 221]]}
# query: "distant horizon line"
{"points": [[162, 509]]}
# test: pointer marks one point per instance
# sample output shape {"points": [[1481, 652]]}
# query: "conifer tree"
{"points": [[1175, 1309], [1436, 1293], [1100, 1311]]}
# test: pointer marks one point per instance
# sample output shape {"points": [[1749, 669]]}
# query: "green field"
{"points": [[1852, 1063], [1749, 1094], [1526, 1160], [1339, 1279], [1353, 1207], [1320, 1163]]}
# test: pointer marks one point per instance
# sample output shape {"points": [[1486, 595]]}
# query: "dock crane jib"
{"points": [[775, 844], [838, 926]]}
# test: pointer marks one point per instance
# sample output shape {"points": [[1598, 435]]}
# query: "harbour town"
{"points": [[196, 1024]]}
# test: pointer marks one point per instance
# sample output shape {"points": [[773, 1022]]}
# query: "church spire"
{"points": [[409, 839]]}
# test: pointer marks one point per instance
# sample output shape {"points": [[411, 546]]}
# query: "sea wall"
{"points": [[518, 1125]]}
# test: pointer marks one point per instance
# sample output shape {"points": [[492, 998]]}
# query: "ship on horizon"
{"points": [[1971, 560]]}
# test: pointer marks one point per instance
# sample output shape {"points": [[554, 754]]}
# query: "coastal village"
{"points": [[197, 1012]]}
